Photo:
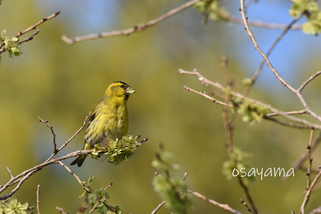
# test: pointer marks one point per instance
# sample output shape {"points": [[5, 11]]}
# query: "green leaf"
{"points": [[3, 34], [310, 28], [213, 8], [88, 185], [312, 6], [247, 81], [12, 206], [251, 112]]}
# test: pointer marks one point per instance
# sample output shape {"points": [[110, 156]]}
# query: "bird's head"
{"points": [[119, 89]]}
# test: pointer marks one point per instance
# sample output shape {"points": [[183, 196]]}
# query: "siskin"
{"points": [[108, 120]]}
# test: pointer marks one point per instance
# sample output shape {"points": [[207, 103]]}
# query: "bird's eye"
{"points": [[122, 86]]}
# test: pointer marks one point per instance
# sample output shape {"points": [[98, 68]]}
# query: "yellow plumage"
{"points": [[109, 119]]}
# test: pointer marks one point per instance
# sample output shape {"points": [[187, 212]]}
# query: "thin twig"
{"points": [[206, 96], [289, 124], [256, 46], [229, 132], [136, 28], [28, 38], [88, 190], [304, 156], [10, 173], [259, 24], [184, 176], [316, 211], [73, 174], [101, 200], [245, 204], [307, 195], [309, 159], [288, 113], [61, 210], [223, 206], [70, 139], [309, 80], [158, 207], [20, 42], [31, 28], [257, 72], [304, 169], [276, 73], [22, 177], [38, 200], [248, 195], [206, 83], [38, 23], [55, 150]]}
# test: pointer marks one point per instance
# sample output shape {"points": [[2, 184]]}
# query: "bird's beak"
{"points": [[130, 90]]}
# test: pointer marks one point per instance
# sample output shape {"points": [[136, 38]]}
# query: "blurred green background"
{"points": [[61, 83]]}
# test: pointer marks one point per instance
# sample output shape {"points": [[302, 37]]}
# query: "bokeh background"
{"points": [[61, 83]]}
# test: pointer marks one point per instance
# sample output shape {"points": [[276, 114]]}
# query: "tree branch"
{"points": [[223, 206], [136, 28], [302, 122], [276, 73]]}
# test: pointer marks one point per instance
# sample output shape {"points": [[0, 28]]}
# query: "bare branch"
{"points": [[70, 139], [20, 42], [38, 200], [158, 207], [52, 132], [10, 173], [307, 195], [304, 156], [61, 210], [247, 206], [73, 174], [308, 81], [289, 113], [208, 97], [256, 46], [28, 38], [276, 73], [259, 24], [289, 124], [30, 29], [309, 159], [136, 28], [223, 206], [257, 72], [22, 177], [38, 23], [305, 124]]}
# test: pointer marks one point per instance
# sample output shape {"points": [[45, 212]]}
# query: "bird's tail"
{"points": [[79, 160]]}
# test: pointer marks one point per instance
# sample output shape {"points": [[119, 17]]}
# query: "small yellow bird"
{"points": [[108, 120]]}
